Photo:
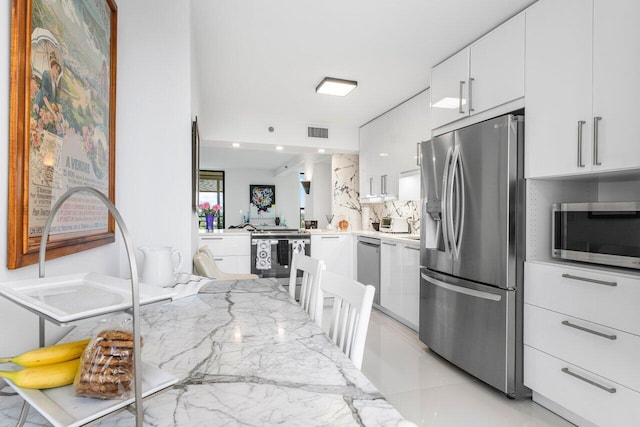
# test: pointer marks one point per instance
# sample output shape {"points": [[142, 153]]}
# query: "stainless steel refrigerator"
{"points": [[472, 251]]}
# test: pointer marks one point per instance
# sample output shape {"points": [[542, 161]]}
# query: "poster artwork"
{"points": [[69, 113]]}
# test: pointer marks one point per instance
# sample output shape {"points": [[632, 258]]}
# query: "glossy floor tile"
{"points": [[430, 391]]}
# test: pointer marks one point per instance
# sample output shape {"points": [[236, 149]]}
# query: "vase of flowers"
{"points": [[210, 213]]}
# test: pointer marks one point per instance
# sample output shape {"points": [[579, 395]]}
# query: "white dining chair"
{"points": [[311, 268], [206, 265], [350, 315]]}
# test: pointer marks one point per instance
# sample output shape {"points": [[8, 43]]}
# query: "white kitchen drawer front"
{"points": [[608, 352], [227, 245], [596, 399], [236, 264], [608, 299]]}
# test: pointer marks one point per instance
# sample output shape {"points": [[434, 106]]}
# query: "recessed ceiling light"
{"points": [[320, 150], [384, 154], [338, 87], [235, 145], [279, 147]]}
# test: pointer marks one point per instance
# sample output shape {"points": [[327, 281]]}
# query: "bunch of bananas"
{"points": [[46, 367]]}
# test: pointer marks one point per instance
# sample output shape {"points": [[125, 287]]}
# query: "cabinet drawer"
{"points": [[227, 245], [236, 264], [573, 291], [544, 374], [614, 356]]}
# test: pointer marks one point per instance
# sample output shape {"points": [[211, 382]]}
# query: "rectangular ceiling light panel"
{"points": [[333, 86]]}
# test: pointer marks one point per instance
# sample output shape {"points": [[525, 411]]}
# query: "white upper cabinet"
{"points": [[558, 88], [388, 146], [496, 64], [449, 90], [414, 126], [616, 83], [485, 75], [579, 74]]}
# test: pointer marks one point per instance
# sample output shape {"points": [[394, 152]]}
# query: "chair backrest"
{"points": [[350, 315], [206, 265], [311, 269]]}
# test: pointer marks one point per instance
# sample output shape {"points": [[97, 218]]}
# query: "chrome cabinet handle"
{"points": [[460, 99], [580, 124], [586, 279], [389, 244], [591, 331], [471, 110], [412, 248], [588, 381], [329, 237], [218, 259], [596, 120], [212, 238], [371, 186], [418, 154]]}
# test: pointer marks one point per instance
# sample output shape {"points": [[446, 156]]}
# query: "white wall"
{"points": [[153, 168], [236, 187], [153, 150], [319, 200], [254, 129]]}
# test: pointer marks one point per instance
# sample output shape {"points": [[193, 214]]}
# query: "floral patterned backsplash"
{"points": [[346, 204]]}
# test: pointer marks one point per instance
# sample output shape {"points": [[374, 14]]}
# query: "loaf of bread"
{"points": [[106, 369]]}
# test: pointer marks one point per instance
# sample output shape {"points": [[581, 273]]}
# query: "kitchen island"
{"points": [[245, 354]]}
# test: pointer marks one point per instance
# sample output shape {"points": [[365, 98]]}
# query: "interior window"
{"points": [[211, 190]]}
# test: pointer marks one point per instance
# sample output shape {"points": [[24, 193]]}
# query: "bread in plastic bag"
{"points": [[106, 366]]}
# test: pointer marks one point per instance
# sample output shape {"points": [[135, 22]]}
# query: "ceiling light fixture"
{"points": [[279, 147], [338, 87], [235, 145], [321, 150]]}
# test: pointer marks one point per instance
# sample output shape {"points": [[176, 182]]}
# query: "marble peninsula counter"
{"points": [[245, 354]]}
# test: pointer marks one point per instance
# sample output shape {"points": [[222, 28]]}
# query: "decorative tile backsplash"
{"points": [[408, 209], [346, 185], [346, 204]]}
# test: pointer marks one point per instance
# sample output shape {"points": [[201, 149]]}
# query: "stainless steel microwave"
{"points": [[601, 233]]}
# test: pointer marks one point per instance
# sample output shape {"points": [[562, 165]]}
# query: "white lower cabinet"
{"points": [[411, 283], [592, 397], [336, 250], [391, 276], [582, 341], [400, 281], [232, 253]]}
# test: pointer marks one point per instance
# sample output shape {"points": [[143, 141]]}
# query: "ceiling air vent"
{"points": [[314, 132]]}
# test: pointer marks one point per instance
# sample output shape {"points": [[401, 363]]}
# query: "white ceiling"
{"points": [[262, 59]]}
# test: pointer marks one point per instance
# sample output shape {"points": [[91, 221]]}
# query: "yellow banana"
{"points": [[49, 355], [47, 376]]}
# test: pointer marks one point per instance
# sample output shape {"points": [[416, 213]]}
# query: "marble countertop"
{"points": [[245, 354]]}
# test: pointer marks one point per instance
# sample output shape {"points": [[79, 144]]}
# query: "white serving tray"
{"points": [[65, 299], [61, 407]]}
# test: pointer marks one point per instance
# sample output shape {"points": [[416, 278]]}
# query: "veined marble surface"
{"points": [[245, 354]]}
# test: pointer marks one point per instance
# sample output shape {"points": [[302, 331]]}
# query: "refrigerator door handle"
{"points": [[461, 289], [458, 176], [445, 202]]}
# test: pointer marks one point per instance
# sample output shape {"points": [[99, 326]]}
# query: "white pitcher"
{"points": [[158, 268]]}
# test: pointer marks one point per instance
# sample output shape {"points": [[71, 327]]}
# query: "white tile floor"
{"points": [[430, 391]]}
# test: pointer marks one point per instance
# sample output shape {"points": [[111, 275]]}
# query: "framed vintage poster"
{"points": [[62, 124]]}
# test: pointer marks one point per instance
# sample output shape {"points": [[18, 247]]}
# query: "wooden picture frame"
{"points": [[195, 165], [61, 125]]}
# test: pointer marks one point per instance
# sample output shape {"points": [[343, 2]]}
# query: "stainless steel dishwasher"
{"points": [[369, 264]]}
